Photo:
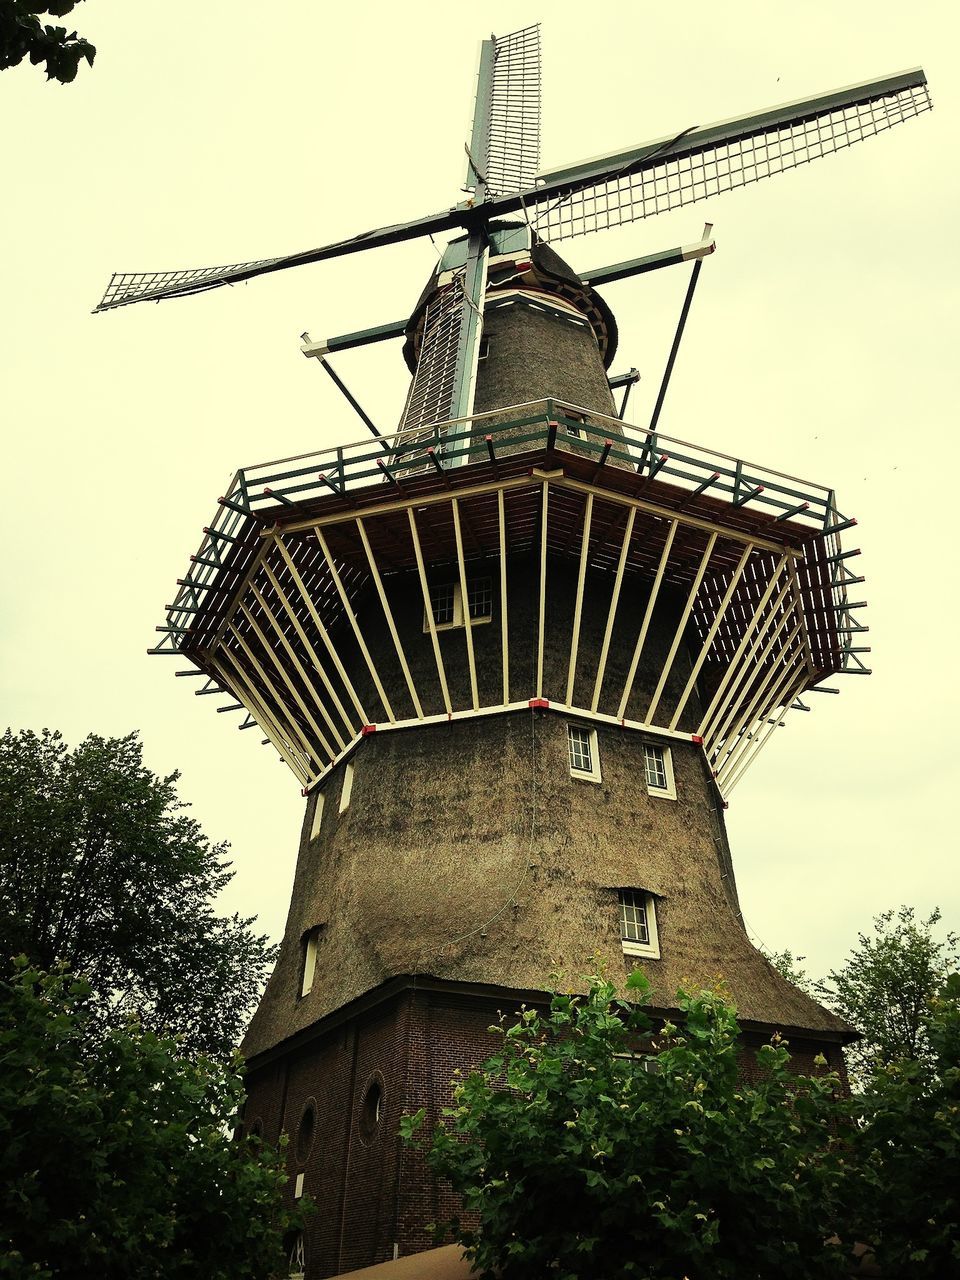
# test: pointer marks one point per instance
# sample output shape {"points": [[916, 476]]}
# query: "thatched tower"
{"points": [[513, 689]]}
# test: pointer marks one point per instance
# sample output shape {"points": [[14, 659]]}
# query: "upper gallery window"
{"points": [[446, 603]]}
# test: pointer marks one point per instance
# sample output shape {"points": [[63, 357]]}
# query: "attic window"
{"points": [[484, 349], [573, 425], [310, 944], [638, 923], [446, 604]]}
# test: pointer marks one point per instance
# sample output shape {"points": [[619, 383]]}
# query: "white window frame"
{"points": [[317, 816], [346, 788], [458, 609], [574, 428], [298, 1187], [631, 947], [311, 945], [593, 773], [669, 791]]}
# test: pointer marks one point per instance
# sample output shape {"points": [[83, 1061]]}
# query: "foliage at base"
{"points": [[116, 1157], [590, 1145]]}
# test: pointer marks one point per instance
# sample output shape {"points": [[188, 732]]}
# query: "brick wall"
{"points": [[373, 1193]]}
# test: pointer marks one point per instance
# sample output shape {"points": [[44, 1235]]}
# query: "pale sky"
{"points": [[822, 342]]}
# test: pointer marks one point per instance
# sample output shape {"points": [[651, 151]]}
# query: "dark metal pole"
{"points": [[685, 311], [352, 402]]}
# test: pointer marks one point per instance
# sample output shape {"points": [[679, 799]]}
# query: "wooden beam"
{"points": [[645, 625], [504, 628], [542, 607], [414, 696], [315, 659], [745, 640], [752, 662], [612, 611], [681, 627], [785, 659], [428, 610], [714, 627], [322, 630], [465, 603], [243, 689], [284, 675], [355, 625], [287, 721], [578, 605]]}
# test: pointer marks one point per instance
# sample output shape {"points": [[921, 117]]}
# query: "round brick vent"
{"points": [[371, 1109]]}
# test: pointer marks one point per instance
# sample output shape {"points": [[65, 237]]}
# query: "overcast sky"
{"points": [[822, 342]]}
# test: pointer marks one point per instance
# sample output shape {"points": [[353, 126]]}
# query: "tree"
{"points": [[115, 1152], [788, 965], [885, 986], [586, 1147], [906, 1152], [101, 871], [23, 35]]}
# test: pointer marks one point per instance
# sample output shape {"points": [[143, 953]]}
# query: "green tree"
{"points": [[788, 965], [906, 1152], [591, 1145], [23, 35], [116, 1159], [885, 986], [102, 871]]}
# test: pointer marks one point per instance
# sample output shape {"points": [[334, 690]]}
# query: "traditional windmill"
{"points": [[516, 658]]}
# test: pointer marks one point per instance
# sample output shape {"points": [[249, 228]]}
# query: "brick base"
{"points": [[340, 1089]]}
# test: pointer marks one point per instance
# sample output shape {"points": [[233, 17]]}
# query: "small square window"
{"points": [[638, 923], [582, 753], [658, 771], [346, 788], [573, 425]]}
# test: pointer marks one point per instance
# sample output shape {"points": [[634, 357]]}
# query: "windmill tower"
{"points": [[517, 655]]}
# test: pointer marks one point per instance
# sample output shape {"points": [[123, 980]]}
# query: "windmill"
{"points": [[516, 659]]}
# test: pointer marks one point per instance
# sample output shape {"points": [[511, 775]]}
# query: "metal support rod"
{"points": [[671, 359], [352, 401]]}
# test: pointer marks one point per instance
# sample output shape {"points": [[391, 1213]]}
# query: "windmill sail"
{"points": [[699, 163], [432, 390], [513, 131]]}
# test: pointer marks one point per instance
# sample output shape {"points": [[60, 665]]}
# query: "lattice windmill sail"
{"points": [[507, 617]]}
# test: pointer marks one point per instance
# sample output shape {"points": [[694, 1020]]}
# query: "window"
{"points": [[658, 769], [638, 923], [484, 349], [310, 944], [346, 787], [298, 1187], [296, 1257], [583, 753], [446, 603], [574, 425], [317, 816]]}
